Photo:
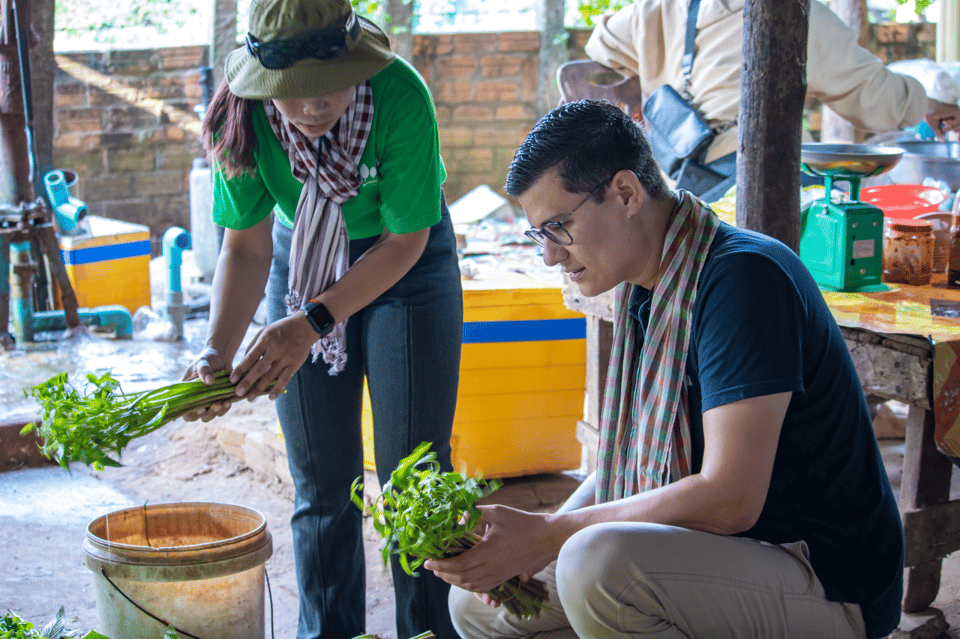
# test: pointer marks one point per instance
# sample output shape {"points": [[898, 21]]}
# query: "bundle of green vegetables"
{"points": [[101, 420], [423, 635], [12, 626], [424, 513]]}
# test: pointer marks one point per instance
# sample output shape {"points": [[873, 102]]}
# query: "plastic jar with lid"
{"points": [[907, 251]]}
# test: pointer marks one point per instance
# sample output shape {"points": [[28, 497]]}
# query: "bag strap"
{"points": [[688, 51]]}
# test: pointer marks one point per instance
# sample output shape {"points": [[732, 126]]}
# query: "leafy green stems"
{"points": [[423, 635], [88, 427], [12, 626], [424, 513]]}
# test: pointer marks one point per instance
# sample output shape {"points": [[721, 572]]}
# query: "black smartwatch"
{"points": [[319, 317]]}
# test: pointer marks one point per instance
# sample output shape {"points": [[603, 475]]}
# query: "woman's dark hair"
{"points": [[588, 141], [227, 132]]}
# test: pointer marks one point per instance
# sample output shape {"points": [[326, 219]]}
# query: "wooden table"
{"points": [[891, 365]]}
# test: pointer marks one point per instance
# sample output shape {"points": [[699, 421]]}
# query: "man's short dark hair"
{"points": [[588, 141]]}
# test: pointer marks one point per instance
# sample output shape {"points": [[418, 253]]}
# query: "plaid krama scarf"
{"points": [[329, 168], [645, 428]]}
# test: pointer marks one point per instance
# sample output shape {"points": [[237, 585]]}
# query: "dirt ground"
{"points": [[44, 513]]}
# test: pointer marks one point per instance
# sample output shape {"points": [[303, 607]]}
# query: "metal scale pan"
{"points": [[848, 161]]}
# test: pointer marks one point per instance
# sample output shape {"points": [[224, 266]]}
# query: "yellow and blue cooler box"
{"points": [[109, 263], [522, 378]]}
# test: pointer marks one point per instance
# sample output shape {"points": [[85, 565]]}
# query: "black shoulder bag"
{"points": [[675, 129]]}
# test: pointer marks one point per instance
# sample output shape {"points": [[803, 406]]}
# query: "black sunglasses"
{"points": [[325, 44]]}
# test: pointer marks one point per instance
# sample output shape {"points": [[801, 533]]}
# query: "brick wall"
{"points": [[124, 120]]}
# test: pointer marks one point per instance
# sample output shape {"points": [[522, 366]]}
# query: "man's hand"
{"points": [[514, 543], [942, 117]]}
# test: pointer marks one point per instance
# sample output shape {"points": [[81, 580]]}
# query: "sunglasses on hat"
{"points": [[325, 44]]}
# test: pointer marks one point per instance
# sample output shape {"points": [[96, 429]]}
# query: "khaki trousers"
{"points": [[649, 580]]}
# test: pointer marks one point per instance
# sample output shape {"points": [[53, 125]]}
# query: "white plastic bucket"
{"points": [[196, 566]]}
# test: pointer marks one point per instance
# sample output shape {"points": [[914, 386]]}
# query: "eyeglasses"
{"points": [[554, 231], [324, 44]]}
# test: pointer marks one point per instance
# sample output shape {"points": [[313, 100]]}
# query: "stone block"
{"points": [[84, 163], [471, 43], [112, 186], [456, 136], [116, 140], [457, 66], [159, 183], [444, 45], [69, 94], [454, 91], [517, 41], [169, 133], [137, 211], [258, 455], [177, 156], [136, 160], [530, 83], [473, 113], [180, 58], [75, 120], [501, 66], [521, 112], [70, 142], [498, 137], [18, 451], [476, 160], [126, 118], [496, 91]]}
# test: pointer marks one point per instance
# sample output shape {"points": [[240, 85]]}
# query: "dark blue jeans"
{"points": [[407, 344]]}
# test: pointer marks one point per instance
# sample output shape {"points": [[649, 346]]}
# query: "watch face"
{"points": [[319, 317]]}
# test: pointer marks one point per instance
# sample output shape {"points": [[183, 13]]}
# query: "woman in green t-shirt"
{"points": [[328, 184]]}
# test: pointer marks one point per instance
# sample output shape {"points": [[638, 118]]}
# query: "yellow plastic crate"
{"points": [[110, 264], [522, 376]]}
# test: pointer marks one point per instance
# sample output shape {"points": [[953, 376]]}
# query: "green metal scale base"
{"points": [[841, 244]]}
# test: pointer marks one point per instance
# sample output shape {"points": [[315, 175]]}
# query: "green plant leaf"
{"points": [[54, 629]]}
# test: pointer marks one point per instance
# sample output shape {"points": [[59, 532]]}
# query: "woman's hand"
{"points": [[209, 362], [276, 353]]}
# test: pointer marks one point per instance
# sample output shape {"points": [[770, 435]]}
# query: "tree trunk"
{"points": [[15, 185], [553, 52], [42, 68], [835, 128], [400, 28], [224, 37], [772, 92]]}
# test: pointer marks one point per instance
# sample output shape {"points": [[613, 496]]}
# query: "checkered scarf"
{"points": [[329, 168], [645, 428]]}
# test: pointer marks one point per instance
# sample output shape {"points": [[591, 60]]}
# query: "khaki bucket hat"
{"points": [[312, 48]]}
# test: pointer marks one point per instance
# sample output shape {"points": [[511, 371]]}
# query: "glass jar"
{"points": [[907, 251]]}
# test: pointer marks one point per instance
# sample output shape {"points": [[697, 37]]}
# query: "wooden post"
{"points": [[772, 91], [553, 52], [948, 31]]}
